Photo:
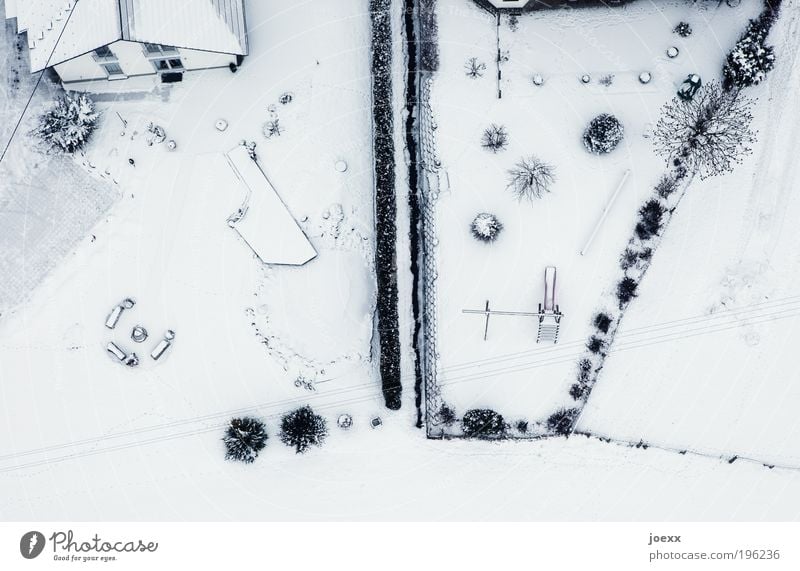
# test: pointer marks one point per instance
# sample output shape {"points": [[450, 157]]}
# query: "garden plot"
{"points": [[720, 378], [509, 372]]}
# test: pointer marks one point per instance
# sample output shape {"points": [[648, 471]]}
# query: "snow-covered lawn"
{"points": [[509, 372], [720, 377], [48, 202], [245, 332]]}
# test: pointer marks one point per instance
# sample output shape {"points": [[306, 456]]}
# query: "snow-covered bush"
{"points": [[626, 290], [561, 421], [751, 58], [302, 428], [530, 178], [385, 203], [494, 138], [607, 80], [650, 219], [272, 129], [595, 344], [483, 423], [447, 415], [603, 134], [474, 68], [683, 29], [244, 438], [666, 186], [579, 391], [708, 134], [522, 426], [69, 123], [486, 227], [602, 321]]}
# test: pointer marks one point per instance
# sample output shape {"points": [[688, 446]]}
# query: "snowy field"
{"points": [[719, 377], [509, 372]]}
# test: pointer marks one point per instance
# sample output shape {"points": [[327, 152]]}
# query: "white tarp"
{"points": [[265, 224]]}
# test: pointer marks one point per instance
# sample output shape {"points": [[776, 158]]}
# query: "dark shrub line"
{"points": [[385, 204]]}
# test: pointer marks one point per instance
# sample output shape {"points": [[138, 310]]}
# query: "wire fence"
{"points": [[429, 185]]}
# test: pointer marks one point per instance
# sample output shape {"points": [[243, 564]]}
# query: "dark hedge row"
{"points": [[385, 203]]}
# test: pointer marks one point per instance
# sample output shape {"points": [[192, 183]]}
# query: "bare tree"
{"points": [[495, 138], [474, 68], [530, 178], [709, 134]]}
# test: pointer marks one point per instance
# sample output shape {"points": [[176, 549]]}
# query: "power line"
{"points": [[631, 344]]}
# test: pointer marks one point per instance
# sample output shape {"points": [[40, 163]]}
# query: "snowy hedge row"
{"points": [[385, 203], [653, 218]]}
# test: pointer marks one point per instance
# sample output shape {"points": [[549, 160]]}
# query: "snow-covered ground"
{"points": [[245, 332], [48, 203], [509, 372], [84, 438], [720, 376]]}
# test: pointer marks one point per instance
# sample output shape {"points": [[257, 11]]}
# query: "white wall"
{"points": [[134, 62]]}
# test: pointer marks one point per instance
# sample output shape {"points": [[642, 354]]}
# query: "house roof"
{"points": [[75, 27]]}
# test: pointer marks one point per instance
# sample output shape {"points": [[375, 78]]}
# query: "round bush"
{"points": [[483, 423], [603, 134], [486, 227]]}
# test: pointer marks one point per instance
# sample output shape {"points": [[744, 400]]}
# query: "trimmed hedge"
{"points": [[385, 202]]}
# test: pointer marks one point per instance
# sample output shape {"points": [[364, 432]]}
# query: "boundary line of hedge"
{"points": [[388, 328]]}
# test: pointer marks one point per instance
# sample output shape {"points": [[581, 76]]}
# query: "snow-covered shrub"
{"points": [[650, 219], [751, 58], [607, 80], [626, 290], [561, 421], [595, 344], [708, 134], [302, 428], [483, 423], [530, 178], [579, 391], [683, 29], [602, 321], [522, 426], [584, 368], [385, 202], [69, 123], [244, 438], [513, 22], [447, 415], [474, 68], [666, 186], [603, 134], [494, 138], [272, 129], [486, 227], [628, 259]]}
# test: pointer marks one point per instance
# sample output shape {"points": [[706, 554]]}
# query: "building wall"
{"points": [[134, 62]]}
